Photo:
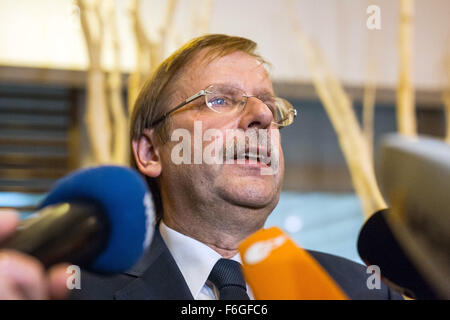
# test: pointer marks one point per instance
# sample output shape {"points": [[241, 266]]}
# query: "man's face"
{"points": [[237, 184]]}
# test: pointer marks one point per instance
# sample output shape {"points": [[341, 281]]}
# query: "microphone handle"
{"points": [[64, 232]]}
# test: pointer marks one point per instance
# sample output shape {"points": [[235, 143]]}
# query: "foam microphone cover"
{"points": [[277, 269], [127, 207]]}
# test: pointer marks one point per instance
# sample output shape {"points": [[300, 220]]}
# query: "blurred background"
{"points": [[70, 71]]}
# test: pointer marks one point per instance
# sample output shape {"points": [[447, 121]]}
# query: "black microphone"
{"points": [[99, 218], [377, 245], [410, 242]]}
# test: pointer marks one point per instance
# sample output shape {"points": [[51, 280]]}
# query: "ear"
{"points": [[146, 155]]}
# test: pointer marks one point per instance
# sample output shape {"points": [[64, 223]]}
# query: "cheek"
{"points": [[165, 157]]}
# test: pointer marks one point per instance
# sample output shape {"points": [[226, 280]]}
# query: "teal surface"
{"points": [[326, 222], [17, 199]]}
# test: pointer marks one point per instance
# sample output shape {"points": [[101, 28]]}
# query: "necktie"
{"points": [[227, 277]]}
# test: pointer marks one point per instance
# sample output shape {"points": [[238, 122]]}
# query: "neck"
{"points": [[222, 242], [222, 230]]}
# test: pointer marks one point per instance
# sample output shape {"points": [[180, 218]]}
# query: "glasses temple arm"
{"points": [[185, 102]]}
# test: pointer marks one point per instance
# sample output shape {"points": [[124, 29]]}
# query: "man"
{"points": [[206, 208]]}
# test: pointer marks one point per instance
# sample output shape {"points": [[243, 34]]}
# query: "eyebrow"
{"points": [[261, 93], [264, 93]]}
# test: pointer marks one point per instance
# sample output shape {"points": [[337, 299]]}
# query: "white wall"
{"points": [[46, 33]]}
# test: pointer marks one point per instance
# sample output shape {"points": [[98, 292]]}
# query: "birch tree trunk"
{"points": [[96, 115], [368, 110], [406, 116], [120, 144], [150, 51], [369, 94], [143, 59], [343, 118]]}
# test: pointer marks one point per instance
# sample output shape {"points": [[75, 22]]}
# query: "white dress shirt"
{"points": [[195, 261]]}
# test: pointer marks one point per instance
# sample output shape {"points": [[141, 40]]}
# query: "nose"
{"points": [[256, 115]]}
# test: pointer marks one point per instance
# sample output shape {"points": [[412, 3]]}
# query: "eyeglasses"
{"points": [[226, 99]]}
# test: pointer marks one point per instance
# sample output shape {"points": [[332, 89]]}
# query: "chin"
{"points": [[251, 194]]}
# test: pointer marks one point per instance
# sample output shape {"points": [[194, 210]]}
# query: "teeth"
{"points": [[247, 156], [253, 156]]}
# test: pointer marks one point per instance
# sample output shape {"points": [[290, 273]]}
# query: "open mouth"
{"points": [[249, 157]]}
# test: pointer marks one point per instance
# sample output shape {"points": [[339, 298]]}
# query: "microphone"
{"points": [[410, 242], [377, 245], [277, 269], [99, 218]]}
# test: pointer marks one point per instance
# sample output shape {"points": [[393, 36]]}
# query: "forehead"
{"points": [[238, 68]]}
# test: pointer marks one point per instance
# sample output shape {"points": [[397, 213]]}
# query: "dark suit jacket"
{"points": [[156, 276]]}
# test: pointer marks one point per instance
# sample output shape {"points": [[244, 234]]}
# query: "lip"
{"points": [[248, 166], [257, 164], [259, 150], [250, 157]]}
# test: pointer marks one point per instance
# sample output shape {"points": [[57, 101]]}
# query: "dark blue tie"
{"points": [[227, 277]]}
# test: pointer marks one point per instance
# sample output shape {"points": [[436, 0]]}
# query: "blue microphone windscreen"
{"points": [[128, 205]]}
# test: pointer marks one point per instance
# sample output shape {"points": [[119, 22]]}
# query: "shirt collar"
{"points": [[194, 258]]}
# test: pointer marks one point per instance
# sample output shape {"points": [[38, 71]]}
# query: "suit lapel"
{"points": [[158, 276]]}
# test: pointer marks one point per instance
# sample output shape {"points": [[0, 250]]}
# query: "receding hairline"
{"points": [[203, 57], [216, 49]]}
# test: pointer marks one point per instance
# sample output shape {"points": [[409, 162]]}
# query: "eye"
{"points": [[220, 101]]}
